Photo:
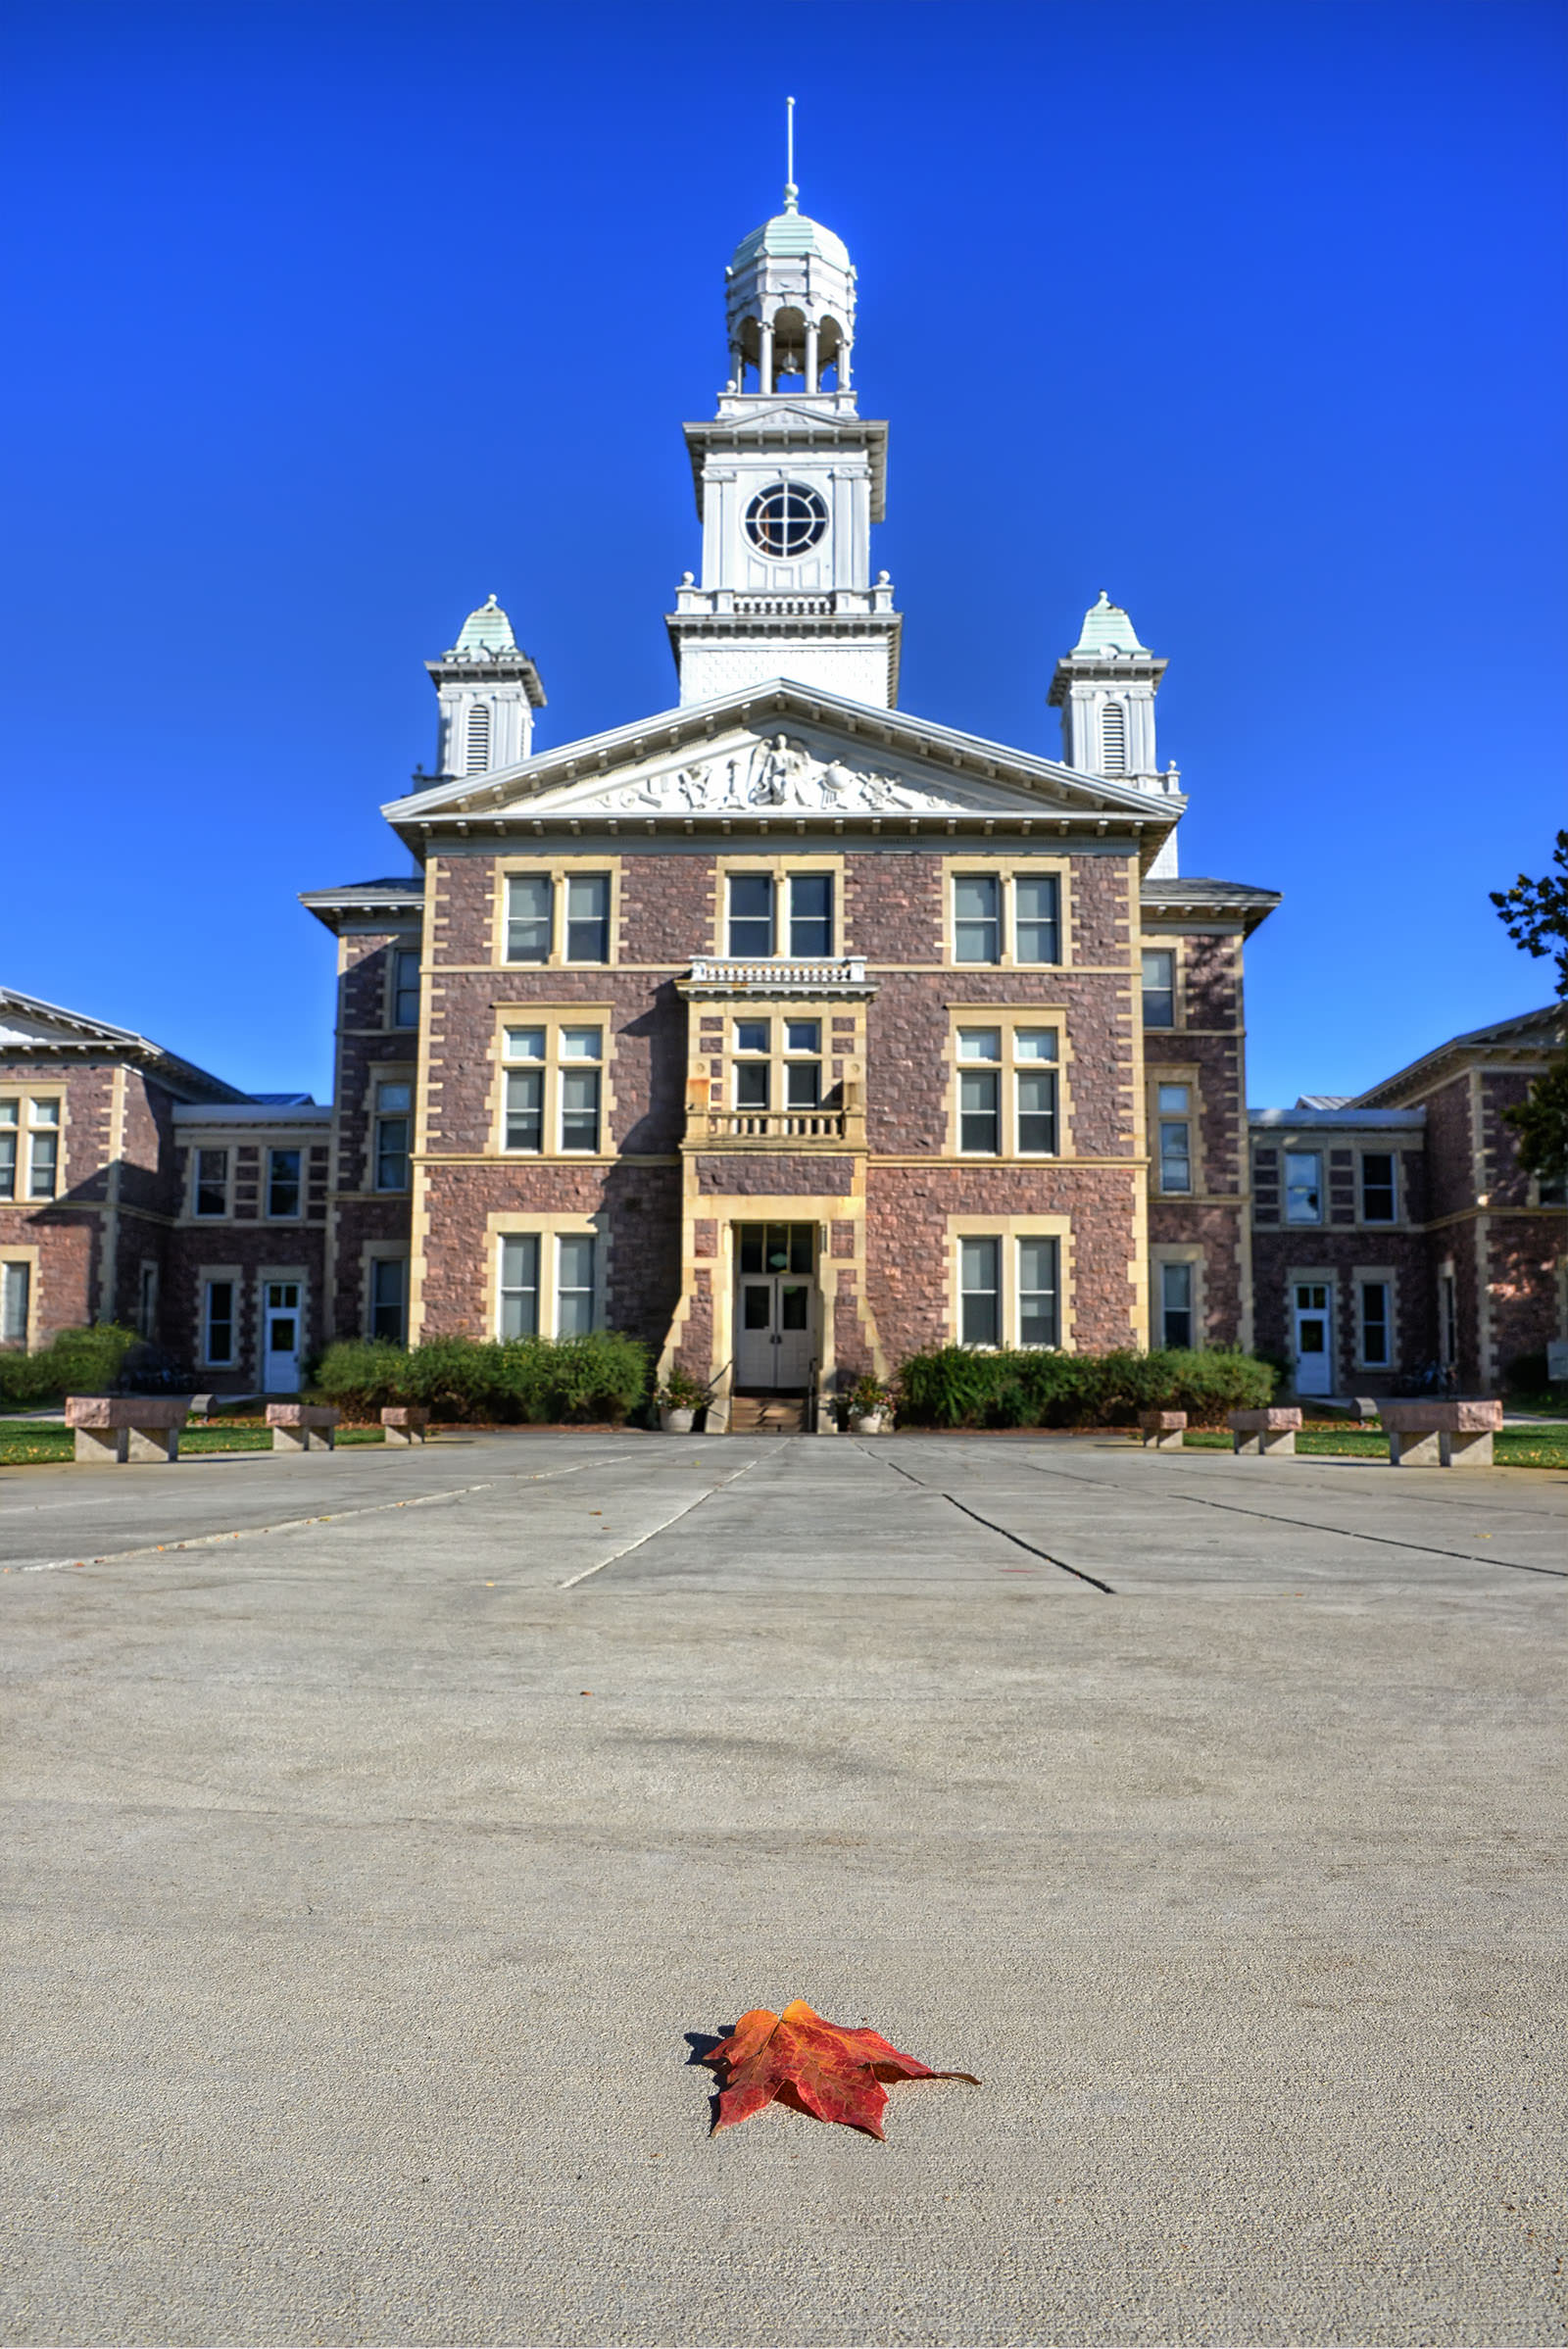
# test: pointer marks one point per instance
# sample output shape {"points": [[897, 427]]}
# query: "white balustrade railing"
{"points": [[850, 972]]}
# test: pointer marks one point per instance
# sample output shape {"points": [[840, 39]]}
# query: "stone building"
{"points": [[783, 1028]]}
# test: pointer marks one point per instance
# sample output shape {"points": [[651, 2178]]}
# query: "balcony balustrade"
{"points": [[772, 1126]]}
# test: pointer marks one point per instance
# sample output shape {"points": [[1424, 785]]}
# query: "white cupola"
{"points": [[1105, 689], [488, 690], [789, 478]]}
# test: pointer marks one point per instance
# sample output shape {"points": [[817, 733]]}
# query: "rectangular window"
{"points": [[16, 1288], [519, 1284], [976, 918], [8, 1150], [1175, 1138], [389, 1297], [1376, 1186], [528, 917], [147, 1300], [979, 1292], [751, 916], [574, 1284], [1037, 918], [525, 1090], [1039, 1313], [810, 916], [217, 1322], [393, 1115], [1176, 1304], [1304, 1186], [1036, 1090], [802, 1066], [43, 1148], [405, 987], [980, 1091], [282, 1183], [1160, 987], [1375, 1347], [752, 1075], [579, 1088], [588, 918], [212, 1182]]}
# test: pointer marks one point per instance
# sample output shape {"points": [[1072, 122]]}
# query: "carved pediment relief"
{"points": [[783, 774]]}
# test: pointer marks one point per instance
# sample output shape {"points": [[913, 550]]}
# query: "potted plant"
{"points": [[679, 1398], [870, 1405]]}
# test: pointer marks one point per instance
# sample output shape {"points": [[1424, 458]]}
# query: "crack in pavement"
{"points": [[1016, 1540]]}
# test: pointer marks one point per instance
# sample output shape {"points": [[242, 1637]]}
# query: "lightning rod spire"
{"points": [[791, 191]]}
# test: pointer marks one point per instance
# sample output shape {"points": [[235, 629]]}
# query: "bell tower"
{"points": [[1105, 689], [488, 689], [789, 479]]}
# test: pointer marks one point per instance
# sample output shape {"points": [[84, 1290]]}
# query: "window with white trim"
{"points": [[1176, 1304], [30, 1144], [1160, 987], [1304, 1186], [519, 1284], [389, 1298], [1376, 1324], [785, 914], [1009, 1290], [547, 1282], [558, 917], [405, 987], [1174, 1104], [979, 1291], [1012, 918], [553, 1087], [16, 1297], [217, 1322], [210, 1178], [394, 1115], [574, 1283], [1008, 1091]]}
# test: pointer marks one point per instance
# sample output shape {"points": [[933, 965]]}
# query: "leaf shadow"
{"points": [[702, 2044]]}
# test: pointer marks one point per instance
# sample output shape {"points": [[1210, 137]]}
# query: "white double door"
{"points": [[773, 1333], [1314, 1348]]}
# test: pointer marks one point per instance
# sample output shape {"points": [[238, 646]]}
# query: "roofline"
{"points": [[333, 906], [174, 1071], [466, 798], [1358, 1120], [1178, 900], [1498, 1036]]}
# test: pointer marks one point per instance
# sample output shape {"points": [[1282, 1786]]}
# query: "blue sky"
{"points": [[333, 318]]}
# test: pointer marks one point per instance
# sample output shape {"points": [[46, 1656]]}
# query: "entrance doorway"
{"points": [[775, 1338], [1314, 1354], [280, 1337]]}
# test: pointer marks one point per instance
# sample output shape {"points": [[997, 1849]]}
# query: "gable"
{"points": [[783, 752]]}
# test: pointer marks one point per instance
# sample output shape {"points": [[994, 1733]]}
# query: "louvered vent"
{"points": [[1113, 739], [478, 739]]}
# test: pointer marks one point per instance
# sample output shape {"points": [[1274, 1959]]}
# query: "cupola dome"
{"points": [[791, 306]]}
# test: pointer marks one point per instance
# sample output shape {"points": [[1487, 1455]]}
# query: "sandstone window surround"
{"points": [[1010, 1281], [394, 1129], [219, 1288], [1177, 1295], [1175, 1129], [1376, 1316], [1007, 914], [548, 1274], [554, 1097], [558, 912], [779, 908], [1009, 1097], [1161, 974], [31, 1130]]}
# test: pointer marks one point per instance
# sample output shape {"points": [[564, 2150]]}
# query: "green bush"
{"points": [[953, 1385], [73, 1362], [604, 1376]]}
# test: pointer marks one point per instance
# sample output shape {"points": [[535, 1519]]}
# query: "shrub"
{"points": [[73, 1362], [604, 1376], [953, 1385]]}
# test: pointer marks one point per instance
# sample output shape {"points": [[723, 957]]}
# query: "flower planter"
{"points": [[869, 1423], [676, 1423]]}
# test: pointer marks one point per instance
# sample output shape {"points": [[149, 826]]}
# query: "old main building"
{"points": [[782, 1028]]}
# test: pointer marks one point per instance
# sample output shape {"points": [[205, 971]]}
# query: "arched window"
{"points": [[476, 746], [1114, 738]]}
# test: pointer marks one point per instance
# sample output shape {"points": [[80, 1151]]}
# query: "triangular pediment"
{"points": [[781, 751]]}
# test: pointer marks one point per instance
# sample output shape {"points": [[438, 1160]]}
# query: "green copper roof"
{"points": [[487, 630], [1108, 629], [791, 235]]}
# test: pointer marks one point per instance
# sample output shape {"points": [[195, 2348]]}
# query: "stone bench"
{"points": [[1272, 1430], [1163, 1430], [127, 1427], [1437, 1434], [302, 1427], [404, 1423]]}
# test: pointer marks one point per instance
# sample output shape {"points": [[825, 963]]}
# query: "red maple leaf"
{"points": [[824, 2069]]}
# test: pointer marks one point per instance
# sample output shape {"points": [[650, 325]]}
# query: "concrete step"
{"points": [[766, 1414]]}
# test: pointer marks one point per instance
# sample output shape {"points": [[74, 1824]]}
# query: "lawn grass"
{"points": [[1511, 1447], [31, 1444]]}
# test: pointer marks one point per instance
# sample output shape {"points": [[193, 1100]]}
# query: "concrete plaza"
{"points": [[375, 1857]]}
